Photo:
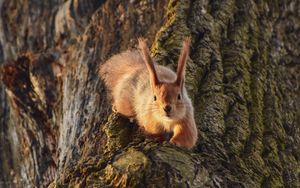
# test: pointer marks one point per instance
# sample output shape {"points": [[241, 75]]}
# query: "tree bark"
{"points": [[56, 123]]}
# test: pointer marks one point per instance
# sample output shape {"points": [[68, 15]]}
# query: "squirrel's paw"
{"points": [[114, 108], [131, 120], [182, 142]]}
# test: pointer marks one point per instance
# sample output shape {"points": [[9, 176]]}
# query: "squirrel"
{"points": [[153, 94]]}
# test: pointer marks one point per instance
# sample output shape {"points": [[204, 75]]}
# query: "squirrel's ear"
{"points": [[182, 61], [148, 61]]}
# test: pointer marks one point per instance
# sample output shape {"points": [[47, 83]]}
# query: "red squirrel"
{"points": [[153, 94]]}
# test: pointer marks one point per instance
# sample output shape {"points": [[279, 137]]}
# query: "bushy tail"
{"points": [[113, 70]]}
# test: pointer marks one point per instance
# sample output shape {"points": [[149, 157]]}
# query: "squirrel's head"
{"points": [[169, 100]]}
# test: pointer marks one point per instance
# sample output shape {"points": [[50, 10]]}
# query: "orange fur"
{"points": [[145, 90]]}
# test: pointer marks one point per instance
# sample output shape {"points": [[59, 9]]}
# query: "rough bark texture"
{"points": [[56, 124]]}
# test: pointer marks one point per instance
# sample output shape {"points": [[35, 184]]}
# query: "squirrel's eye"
{"points": [[178, 96], [154, 98]]}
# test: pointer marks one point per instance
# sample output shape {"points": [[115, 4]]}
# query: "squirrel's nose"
{"points": [[167, 108]]}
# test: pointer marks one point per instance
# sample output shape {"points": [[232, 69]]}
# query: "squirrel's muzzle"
{"points": [[167, 108]]}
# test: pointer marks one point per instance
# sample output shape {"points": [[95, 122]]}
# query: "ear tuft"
{"points": [[182, 60], [187, 42], [148, 61], [142, 43]]}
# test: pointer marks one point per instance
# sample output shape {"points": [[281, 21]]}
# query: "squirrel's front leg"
{"points": [[155, 130], [185, 134]]}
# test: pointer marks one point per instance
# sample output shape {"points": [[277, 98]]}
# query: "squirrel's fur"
{"points": [[152, 93]]}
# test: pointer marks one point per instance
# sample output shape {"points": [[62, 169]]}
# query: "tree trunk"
{"points": [[56, 123]]}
